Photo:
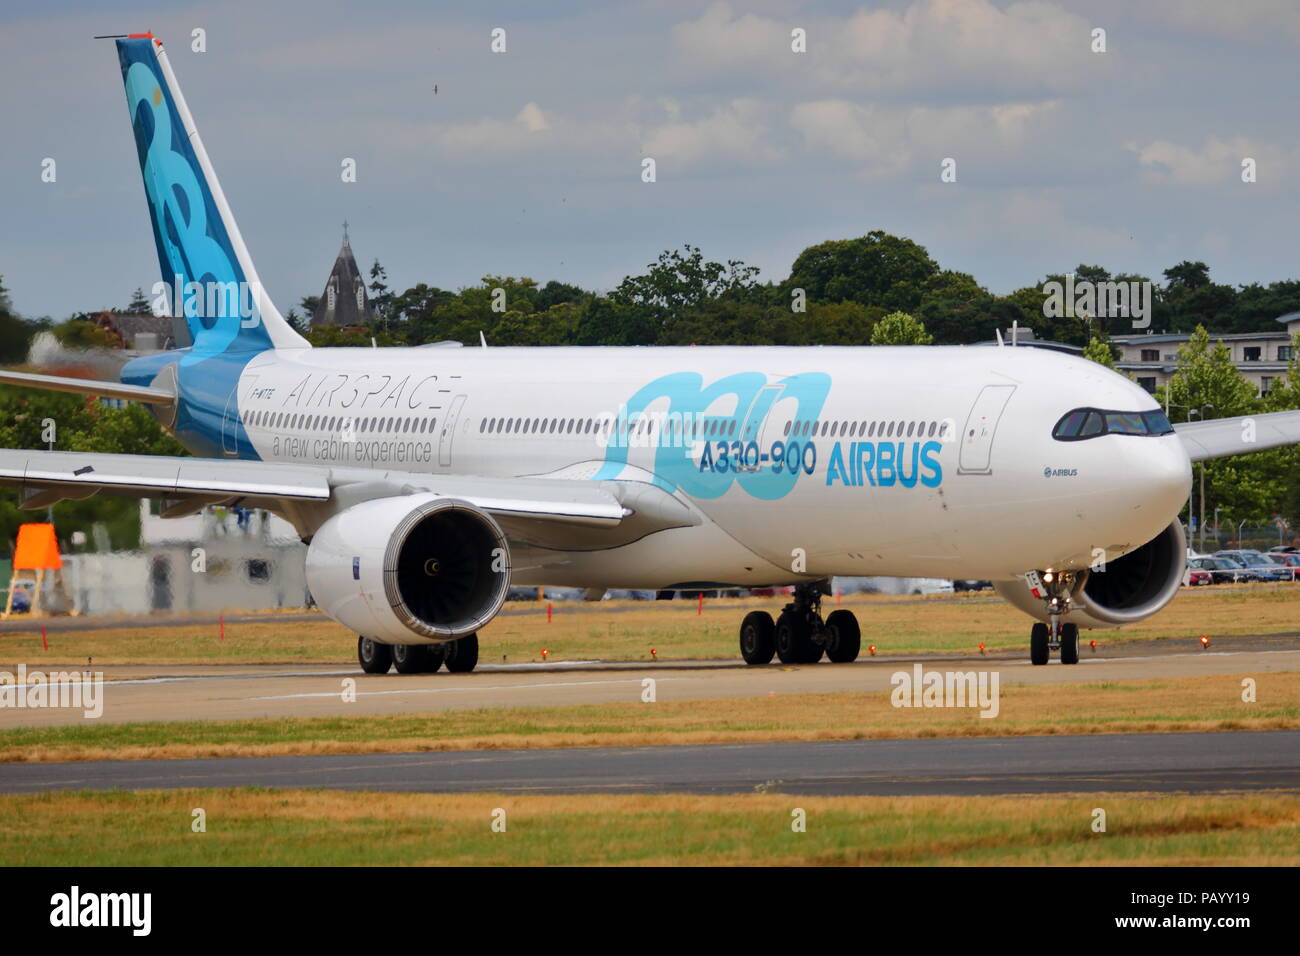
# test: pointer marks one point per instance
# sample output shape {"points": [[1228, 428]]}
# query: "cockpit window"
{"points": [[1082, 423]]}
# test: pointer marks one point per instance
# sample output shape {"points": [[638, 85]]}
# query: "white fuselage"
{"points": [[928, 462]]}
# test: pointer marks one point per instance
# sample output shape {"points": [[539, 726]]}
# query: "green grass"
{"points": [[264, 827]]}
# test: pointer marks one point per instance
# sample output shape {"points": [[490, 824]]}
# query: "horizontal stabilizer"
{"points": [[86, 386]]}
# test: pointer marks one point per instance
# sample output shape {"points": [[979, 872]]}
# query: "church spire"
{"points": [[344, 301]]}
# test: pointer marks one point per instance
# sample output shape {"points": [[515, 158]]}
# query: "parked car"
{"points": [[1196, 577], [1280, 562], [1223, 570], [23, 589], [1291, 558], [1266, 569], [971, 585]]}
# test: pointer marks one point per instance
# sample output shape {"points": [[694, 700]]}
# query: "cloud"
{"points": [[1259, 20], [967, 48], [1214, 162], [732, 132], [885, 141]]}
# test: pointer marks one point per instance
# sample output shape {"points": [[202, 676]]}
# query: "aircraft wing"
{"points": [[1222, 437], [552, 512]]}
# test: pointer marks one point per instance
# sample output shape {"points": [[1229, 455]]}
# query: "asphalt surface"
{"points": [[237, 692], [1195, 763]]}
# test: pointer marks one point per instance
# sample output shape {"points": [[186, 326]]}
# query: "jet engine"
{"points": [[410, 569], [1123, 591]]}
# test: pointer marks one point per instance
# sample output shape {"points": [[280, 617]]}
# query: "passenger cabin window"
{"points": [[1083, 423]]}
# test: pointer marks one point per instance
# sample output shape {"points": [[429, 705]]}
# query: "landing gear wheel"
{"points": [[1069, 643], [411, 658], [845, 637], [462, 655], [1038, 644], [794, 643], [437, 653], [757, 638], [375, 658]]}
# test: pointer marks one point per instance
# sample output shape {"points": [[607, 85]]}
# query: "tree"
{"points": [[605, 321], [1100, 350], [1246, 487], [381, 297], [139, 304], [677, 282], [83, 424], [1187, 275], [15, 334], [899, 328], [875, 269]]}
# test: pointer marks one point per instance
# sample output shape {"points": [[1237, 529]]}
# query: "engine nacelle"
{"points": [[1129, 589], [412, 569]]}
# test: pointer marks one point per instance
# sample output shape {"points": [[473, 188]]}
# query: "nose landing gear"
{"points": [[1056, 635]]}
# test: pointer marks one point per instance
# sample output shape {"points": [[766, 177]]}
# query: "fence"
{"points": [[1231, 536]]}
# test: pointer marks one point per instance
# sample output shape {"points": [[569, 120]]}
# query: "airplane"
{"points": [[426, 480]]}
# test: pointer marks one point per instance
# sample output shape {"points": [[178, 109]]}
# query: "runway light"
{"points": [[1093, 645], [654, 653], [700, 608], [1205, 642], [545, 651], [548, 613], [981, 647], [872, 649]]}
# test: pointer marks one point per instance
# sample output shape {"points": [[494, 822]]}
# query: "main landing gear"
{"points": [[1055, 635], [460, 656], [799, 635]]}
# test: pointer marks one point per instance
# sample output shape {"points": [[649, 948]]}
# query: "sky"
{"points": [[529, 162]]}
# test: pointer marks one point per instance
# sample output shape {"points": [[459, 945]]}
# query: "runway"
{"points": [[232, 692], [1193, 763]]}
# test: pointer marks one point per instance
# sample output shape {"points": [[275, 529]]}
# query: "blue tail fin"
{"points": [[208, 275]]}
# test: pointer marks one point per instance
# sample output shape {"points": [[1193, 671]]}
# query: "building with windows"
{"points": [[344, 301], [1151, 358]]}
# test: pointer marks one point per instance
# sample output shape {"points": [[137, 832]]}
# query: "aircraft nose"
{"points": [[1163, 473]]}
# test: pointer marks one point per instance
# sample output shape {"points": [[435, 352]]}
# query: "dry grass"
{"points": [[629, 630], [331, 827], [1205, 703]]}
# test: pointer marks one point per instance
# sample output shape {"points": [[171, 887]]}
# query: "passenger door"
{"points": [[981, 426]]}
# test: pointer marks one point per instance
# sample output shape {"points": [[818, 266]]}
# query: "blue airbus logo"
{"points": [[886, 464]]}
